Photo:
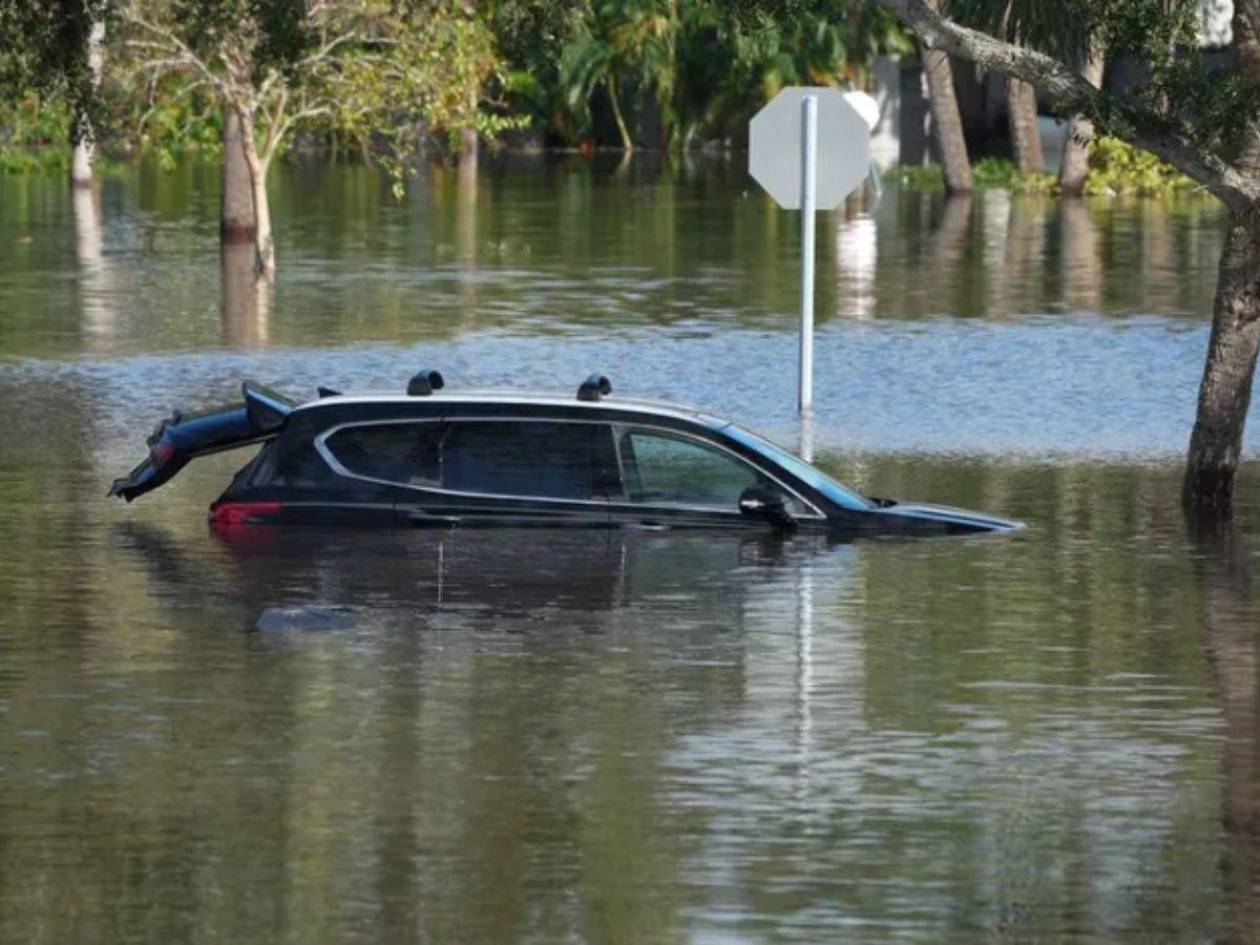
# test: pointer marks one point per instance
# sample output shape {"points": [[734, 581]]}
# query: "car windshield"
{"points": [[845, 498]]}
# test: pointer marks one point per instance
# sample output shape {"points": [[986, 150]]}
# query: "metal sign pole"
{"points": [[787, 139], [809, 178]]}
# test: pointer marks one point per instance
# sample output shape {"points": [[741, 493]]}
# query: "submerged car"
{"points": [[424, 458]]}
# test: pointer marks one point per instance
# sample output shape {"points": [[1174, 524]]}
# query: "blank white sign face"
{"points": [[774, 147]]}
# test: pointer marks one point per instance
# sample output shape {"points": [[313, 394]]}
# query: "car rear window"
{"points": [[393, 452], [520, 458]]}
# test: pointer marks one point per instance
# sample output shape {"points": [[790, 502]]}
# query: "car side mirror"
{"points": [[758, 502]]}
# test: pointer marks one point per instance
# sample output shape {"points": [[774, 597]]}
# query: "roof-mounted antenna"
{"points": [[424, 383], [594, 387], [323, 392]]}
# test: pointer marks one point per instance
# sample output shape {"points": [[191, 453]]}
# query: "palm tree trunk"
{"points": [[946, 121], [626, 143], [1021, 113], [1074, 168]]}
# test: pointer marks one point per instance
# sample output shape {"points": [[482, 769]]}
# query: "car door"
{"points": [[675, 480], [514, 472]]}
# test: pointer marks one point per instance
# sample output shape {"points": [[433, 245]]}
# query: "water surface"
{"points": [[476, 736]]}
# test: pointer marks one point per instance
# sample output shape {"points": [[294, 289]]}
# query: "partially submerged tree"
{"points": [[56, 48], [367, 71], [947, 126], [1074, 164], [1021, 115], [1207, 126]]}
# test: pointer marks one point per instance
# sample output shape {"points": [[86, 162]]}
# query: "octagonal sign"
{"points": [[774, 147]]}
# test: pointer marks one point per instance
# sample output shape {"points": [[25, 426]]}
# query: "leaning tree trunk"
{"points": [[83, 132], [627, 143], [947, 126], [1074, 168], [236, 207], [1225, 392]]}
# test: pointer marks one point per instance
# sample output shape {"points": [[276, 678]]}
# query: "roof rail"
{"points": [[424, 383], [594, 387]]}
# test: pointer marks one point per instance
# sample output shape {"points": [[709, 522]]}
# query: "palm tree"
{"points": [[620, 40], [946, 121]]}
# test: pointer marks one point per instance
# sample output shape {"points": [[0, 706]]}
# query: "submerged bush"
{"points": [[926, 178], [1116, 167], [988, 173], [993, 173]]}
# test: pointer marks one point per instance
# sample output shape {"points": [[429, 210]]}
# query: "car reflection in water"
{"points": [[478, 579]]}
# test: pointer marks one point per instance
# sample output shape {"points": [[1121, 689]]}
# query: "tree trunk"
{"points": [[626, 143], [947, 127], [1225, 392], [264, 248], [1074, 168], [468, 150], [236, 208], [84, 135], [1021, 114]]}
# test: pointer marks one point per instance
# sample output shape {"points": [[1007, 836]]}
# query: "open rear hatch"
{"points": [[260, 416]]}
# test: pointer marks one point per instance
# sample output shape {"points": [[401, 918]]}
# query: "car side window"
{"points": [[527, 458], [660, 468], [406, 453]]}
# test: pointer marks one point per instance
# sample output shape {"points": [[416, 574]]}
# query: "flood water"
{"points": [[618, 737]]}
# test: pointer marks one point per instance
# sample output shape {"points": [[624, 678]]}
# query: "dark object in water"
{"points": [[511, 459]]}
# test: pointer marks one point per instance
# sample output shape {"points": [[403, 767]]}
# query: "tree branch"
{"points": [[1070, 93], [170, 42], [325, 51]]}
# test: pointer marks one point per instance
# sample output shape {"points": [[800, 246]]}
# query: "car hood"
{"points": [[946, 518]]}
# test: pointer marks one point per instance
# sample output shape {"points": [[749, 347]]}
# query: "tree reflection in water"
{"points": [[1231, 643], [244, 300]]}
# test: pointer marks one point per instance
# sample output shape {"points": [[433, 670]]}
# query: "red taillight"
{"points": [[235, 514]]}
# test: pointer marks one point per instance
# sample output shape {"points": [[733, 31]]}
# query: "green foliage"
{"points": [[925, 178], [710, 65], [992, 173], [33, 135], [177, 126], [45, 47], [530, 38], [1119, 168], [989, 173], [1114, 168], [618, 44]]}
